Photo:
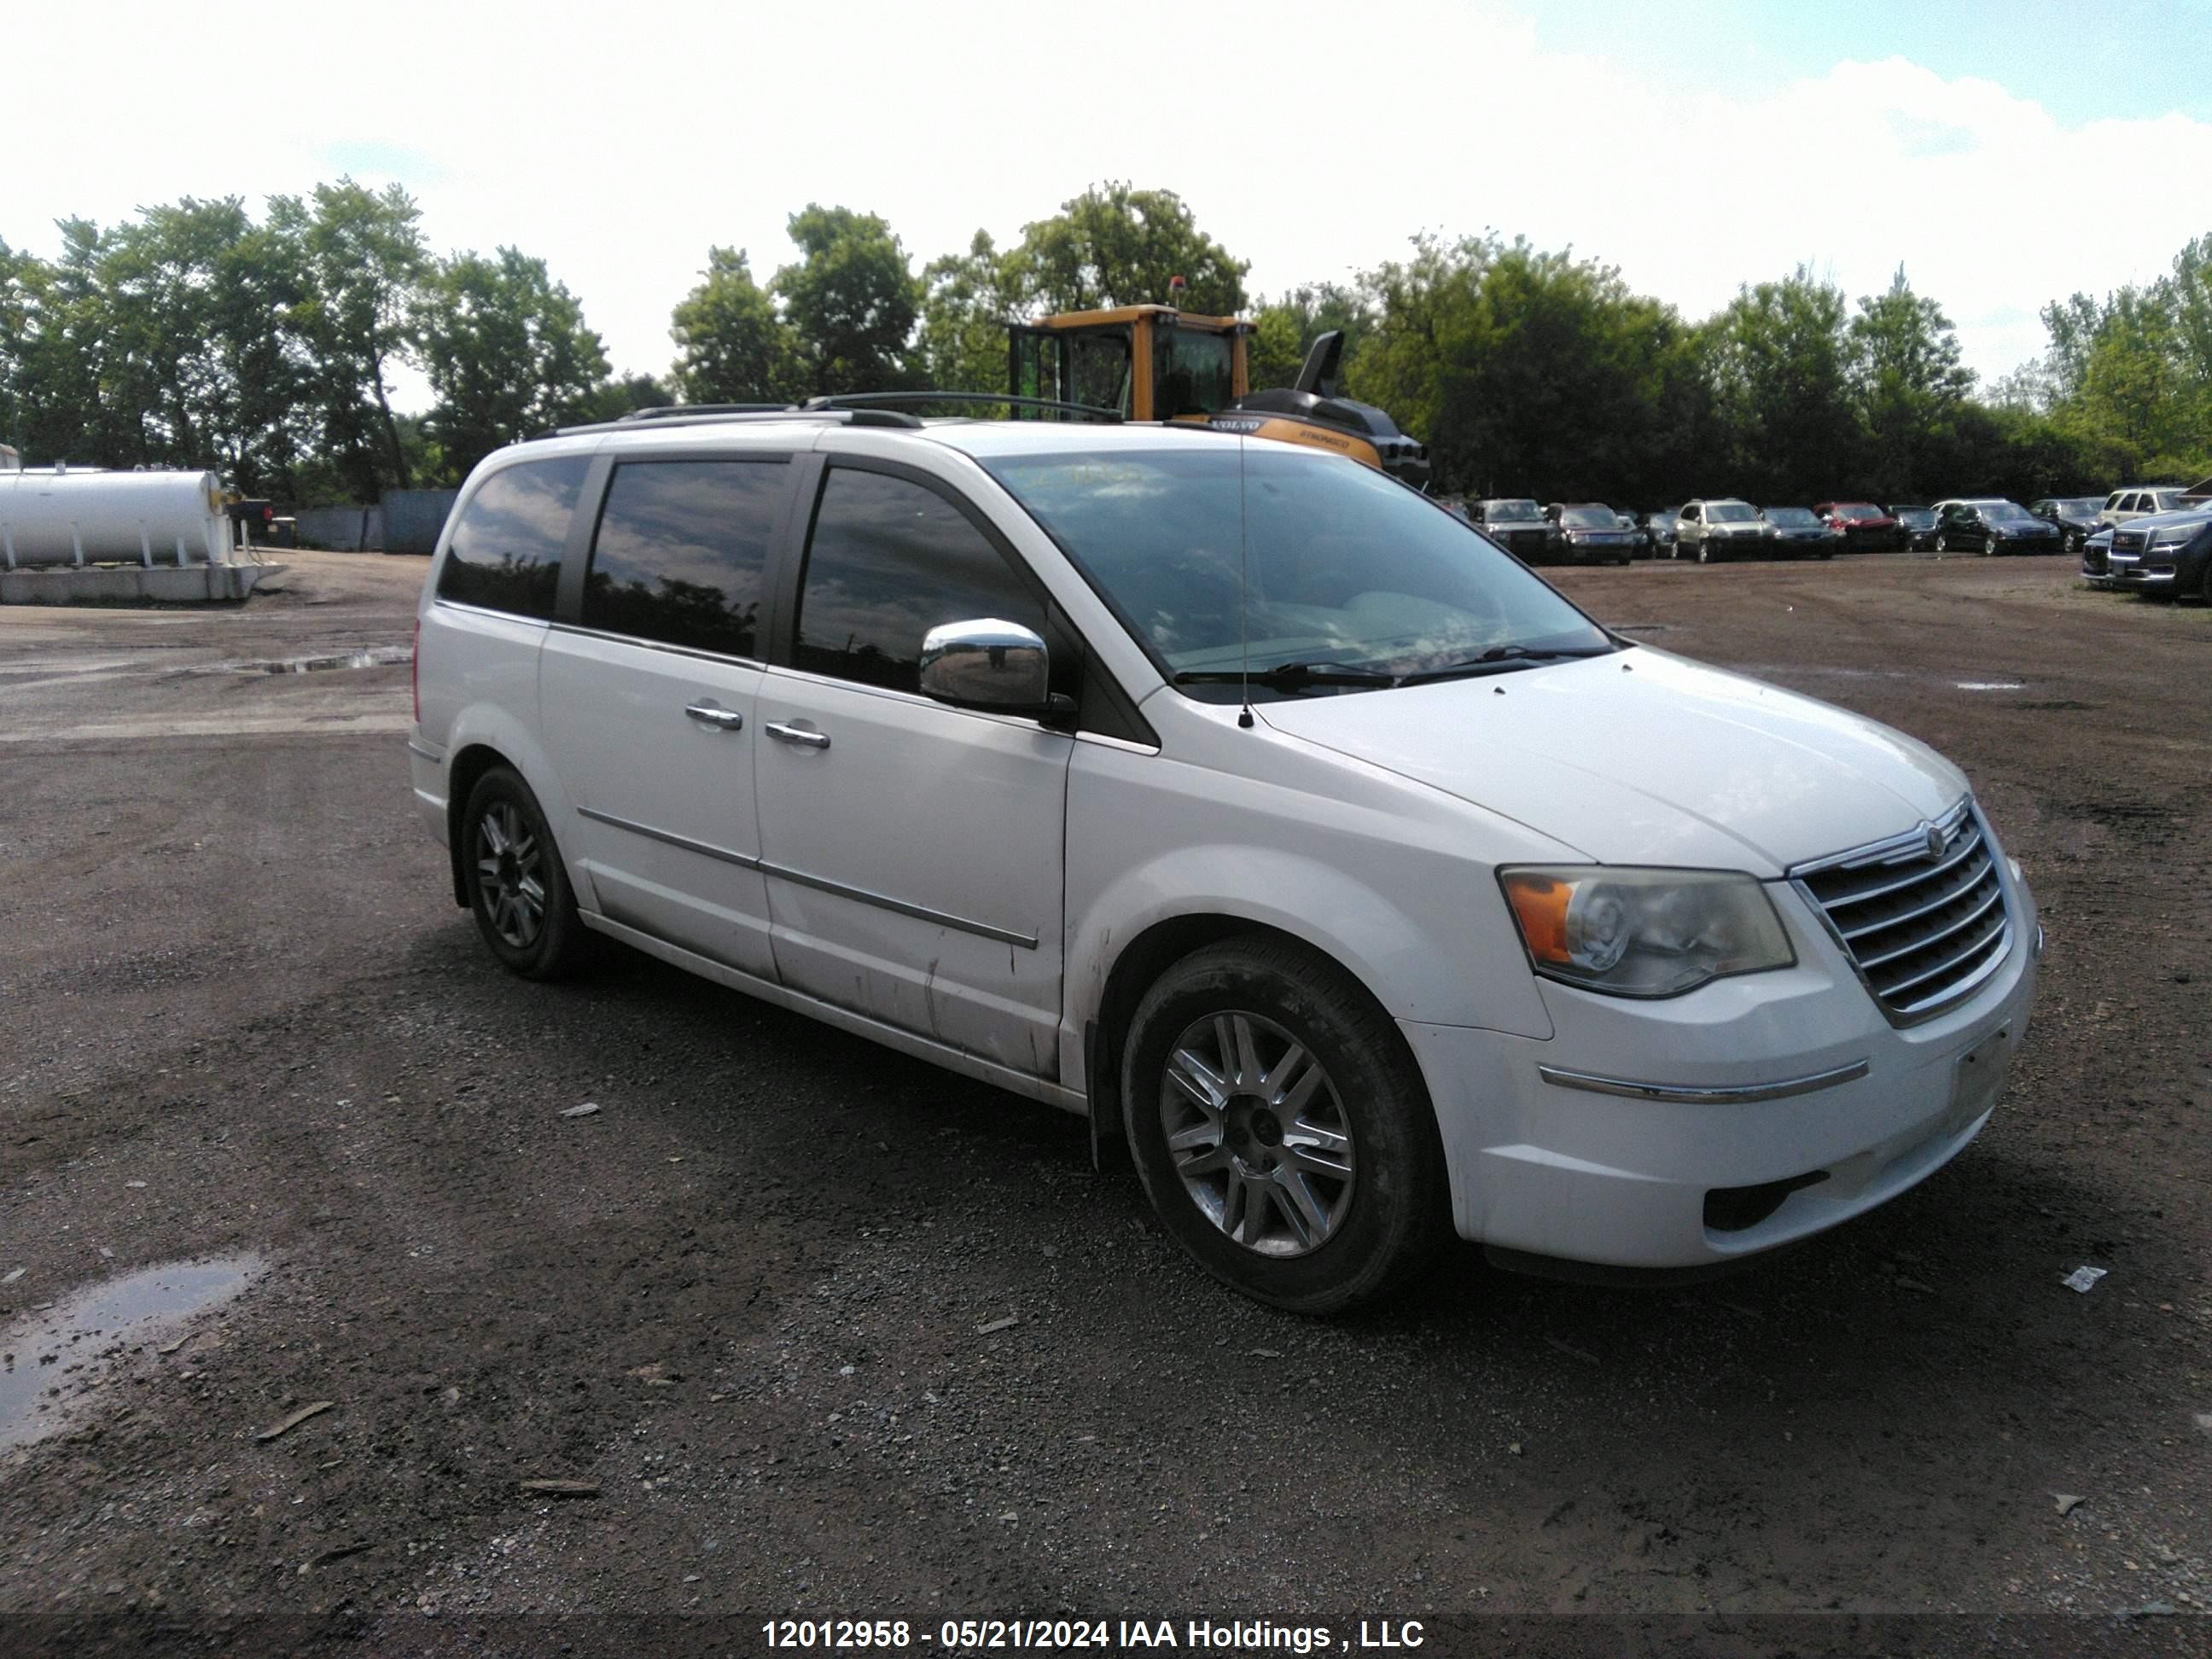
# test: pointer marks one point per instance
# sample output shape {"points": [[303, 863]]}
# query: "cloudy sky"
{"points": [[2003, 154]]}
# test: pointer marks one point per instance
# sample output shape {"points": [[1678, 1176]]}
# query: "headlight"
{"points": [[1645, 933]]}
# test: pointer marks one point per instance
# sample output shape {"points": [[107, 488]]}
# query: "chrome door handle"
{"points": [[798, 734], [722, 720]]}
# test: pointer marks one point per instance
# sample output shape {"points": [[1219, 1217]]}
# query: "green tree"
{"points": [[1117, 246], [851, 301], [1909, 385], [364, 263], [63, 353], [961, 343], [732, 345], [1426, 328], [625, 394], [19, 279], [1284, 329], [197, 301], [1777, 355], [505, 352], [1529, 373]]}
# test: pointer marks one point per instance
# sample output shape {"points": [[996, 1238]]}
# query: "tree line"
{"points": [[195, 335]]}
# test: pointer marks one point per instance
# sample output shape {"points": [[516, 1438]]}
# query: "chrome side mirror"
{"points": [[987, 664]]}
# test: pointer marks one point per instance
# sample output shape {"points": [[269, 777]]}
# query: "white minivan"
{"points": [[1238, 798]]}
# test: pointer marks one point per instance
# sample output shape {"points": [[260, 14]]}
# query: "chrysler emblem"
{"points": [[1935, 838]]}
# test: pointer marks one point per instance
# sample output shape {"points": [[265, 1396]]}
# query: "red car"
{"points": [[1863, 524]]}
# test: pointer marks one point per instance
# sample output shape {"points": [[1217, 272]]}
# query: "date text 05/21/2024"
{"points": [[984, 1635]]}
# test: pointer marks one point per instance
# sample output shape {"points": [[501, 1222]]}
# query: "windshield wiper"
{"points": [[1289, 676], [1504, 659]]}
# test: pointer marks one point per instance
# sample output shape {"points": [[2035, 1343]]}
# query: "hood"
{"points": [[1641, 757], [2187, 518]]}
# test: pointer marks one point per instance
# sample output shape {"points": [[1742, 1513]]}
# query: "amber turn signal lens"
{"points": [[1540, 905]]}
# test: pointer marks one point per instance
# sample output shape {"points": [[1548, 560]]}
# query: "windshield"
{"points": [[2001, 512], [1514, 512], [1728, 513], [1918, 517], [1589, 518], [1348, 570], [2083, 505], [1857, 510], [1193, 373], [1796, 518]]}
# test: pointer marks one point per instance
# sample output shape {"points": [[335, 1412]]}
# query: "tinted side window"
{"points": [[681, 553], [505, 554], [887, 561]]}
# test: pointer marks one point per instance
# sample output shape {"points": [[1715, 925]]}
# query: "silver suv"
{"points": [[2124, 504], [1721, 527]]}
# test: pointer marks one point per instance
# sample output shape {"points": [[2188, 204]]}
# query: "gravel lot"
{"points": [[758, 1297]]}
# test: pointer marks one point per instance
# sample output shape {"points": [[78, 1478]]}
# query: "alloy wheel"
{"points": [[1258, 1135], [507, 874]]}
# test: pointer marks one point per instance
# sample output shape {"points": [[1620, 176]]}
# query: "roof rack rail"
{"points": [[865, 400], [730, 415], [685, 411]]}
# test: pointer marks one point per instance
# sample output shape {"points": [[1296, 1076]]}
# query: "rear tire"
{"points": [[1281, 1128], [518, 885]]}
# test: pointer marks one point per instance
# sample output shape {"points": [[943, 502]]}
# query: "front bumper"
{"points": [[1598, 552], [2138, 570], [1699, 1130]]}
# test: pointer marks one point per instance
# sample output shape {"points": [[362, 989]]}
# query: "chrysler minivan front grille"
{"points": [[1923, 915]]}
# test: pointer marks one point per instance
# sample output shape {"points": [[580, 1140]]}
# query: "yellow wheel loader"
{"points": [[1154, 362]]}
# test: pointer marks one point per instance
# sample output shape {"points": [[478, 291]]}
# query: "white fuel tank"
{"points": [[57, 517]]}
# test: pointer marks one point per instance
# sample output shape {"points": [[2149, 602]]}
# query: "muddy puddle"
{"points": [[57, 1347], [376, 656]]}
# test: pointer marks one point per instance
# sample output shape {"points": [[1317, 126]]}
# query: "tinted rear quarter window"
{"points": [[505, 552], [888, 560], [681, 553]]}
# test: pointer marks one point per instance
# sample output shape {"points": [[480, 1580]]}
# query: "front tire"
{"points": [[1942, 544], [1705, 554], [1280, 1127], [518, 885]]}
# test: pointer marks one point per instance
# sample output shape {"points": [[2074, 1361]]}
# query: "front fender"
{"points": [[1397, 898]]}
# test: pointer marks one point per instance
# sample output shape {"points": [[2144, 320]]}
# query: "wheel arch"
{"points": [[463, 773], [1136, 969]]}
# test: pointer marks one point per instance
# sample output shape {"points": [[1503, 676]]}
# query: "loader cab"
{"points": [[1147, 362]]}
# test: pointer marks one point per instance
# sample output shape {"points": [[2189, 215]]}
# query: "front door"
{"points": [[649, 702], [914, 850]]}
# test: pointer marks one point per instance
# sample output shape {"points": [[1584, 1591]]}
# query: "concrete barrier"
{"points": [[131, 583], [413, 517]]}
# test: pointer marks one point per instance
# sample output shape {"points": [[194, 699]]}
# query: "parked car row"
{"points": [[1726, 527]]}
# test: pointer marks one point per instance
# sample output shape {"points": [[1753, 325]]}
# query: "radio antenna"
{"points": [[1243, 588]]}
